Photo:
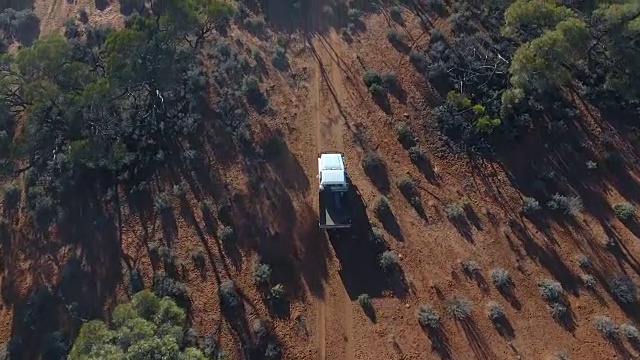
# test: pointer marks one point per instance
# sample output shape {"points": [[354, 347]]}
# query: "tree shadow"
{"points": [[390, 224], [509, 294], [378, 176], [128, 7], [462, 225], [477, 341], [382, 100], [503, 327], [101, 4], [439, 343]]}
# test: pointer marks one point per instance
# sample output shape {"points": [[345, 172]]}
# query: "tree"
{"points": [[525, 20], [147, 328]]}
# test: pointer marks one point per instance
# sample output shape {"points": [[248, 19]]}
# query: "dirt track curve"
{"points": [[334, 310]]}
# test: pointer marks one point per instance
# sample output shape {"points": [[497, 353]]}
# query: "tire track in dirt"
{"points": [[334, 311]]}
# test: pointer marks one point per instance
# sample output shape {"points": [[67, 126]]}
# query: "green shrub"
{"points": [[277, 292], [550, 290], [591, 165], [589, 281], [396, 14], [501, 278], [530, 205], [82, 15], [262, 274], [371, 162], [166, 286], [372, 77], [417, 153], [495, 312], [365, 301], [606, 327], [404, 133], [279, 58], [406, 185], [583, 261], [454, 210], [388, 260], [226, 234], [395, 37], [229, 295], [558, 310], [428, 317], [460, 308], [470, 267], [381, 206], [376, 236], [254, 24], [630, 332], [390, 80], [624, 210], [624, 289], [417, 60], [377, 90], [197, 255], [569, 205], [354, 14], [161, 203]]}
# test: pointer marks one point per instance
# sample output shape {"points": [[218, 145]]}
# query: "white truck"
{"points": [[334, 190]]}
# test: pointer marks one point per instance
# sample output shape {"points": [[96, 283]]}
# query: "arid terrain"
{"points": [[320, 103]]}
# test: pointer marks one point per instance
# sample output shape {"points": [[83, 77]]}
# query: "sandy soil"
{"points": [[322, 105]]}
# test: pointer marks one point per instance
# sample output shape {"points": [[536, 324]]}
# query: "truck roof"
{"points": [[330, 177], [331, 162]]}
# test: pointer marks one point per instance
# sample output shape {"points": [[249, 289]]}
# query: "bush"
{"points": [[589, 281], [381, 207], [376, 236], [166, 286], [428, 317], [404, 134], [253, 24], [550, 290], [406, 185], [377, 90], [501, 278], [272, 352], [591, 165], [11, 194], [396, 14], [228, 293], [417, 60], [277, 292], [558, 310], [395, 37], [436, 6], [624, 289], [569, 205], [371, 162], [630, 332], [161, 203], [71, 28], [390, 80], [279, 58], [583, 261], [262, 274], [470, 267], [388, 260], [624, 210], [83, 16], [530, 205], [365, 301], [495, 312], [226, 234], [371, 77], [606, 327], [354, 15], [417, 153], [460, 308], [454, 210]]}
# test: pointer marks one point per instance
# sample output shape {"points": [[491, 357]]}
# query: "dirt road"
{"points": [[334, 311]]}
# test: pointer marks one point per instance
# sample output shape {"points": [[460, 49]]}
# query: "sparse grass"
{"points": [[460, 308], [381, 207], [530, 205], [495, 312], [550, 290], [428, 317], [624, 289], [365, 301], [624, 210], [454, 210], [388, 260], [630, 332], [501, 278], [606, 327]]}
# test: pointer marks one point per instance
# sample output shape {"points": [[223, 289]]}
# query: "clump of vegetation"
{"points": [[163, 285], [495, 312], [388, 260], [277, 292], [569, 205], [583, 261], [406, 185], [365, 301], [470, 267], [530, 205], [262, 274], [417, 153], [226, 234], [158, 326], [630, 332], [550, 290], [395, 37], [390, 80], [229, 297], [161, 203], [558, 310], [279, 58], [372, 162], [136, 283], [251, 88], [83, 15], [376, 236], [418, 60], [11, 194], [454, 210], [404, 134], [606, 327], [460, 308], [254, 25], [428, 317], [501, 278], [396, 14], [381, 207], [624, 289], [354, 15], [589, 281], [624, 210], [197, 255]]}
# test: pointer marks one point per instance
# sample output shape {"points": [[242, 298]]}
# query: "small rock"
{"points": [[405, 115], [407, 305]]}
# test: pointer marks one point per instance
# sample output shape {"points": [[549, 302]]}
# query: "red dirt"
{"points": [[328, 107]]}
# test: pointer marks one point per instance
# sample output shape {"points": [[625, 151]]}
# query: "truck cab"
{"points": [[333, 183]]}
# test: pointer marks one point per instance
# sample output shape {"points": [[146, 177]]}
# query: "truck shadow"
{"points": [[359, 257]]}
